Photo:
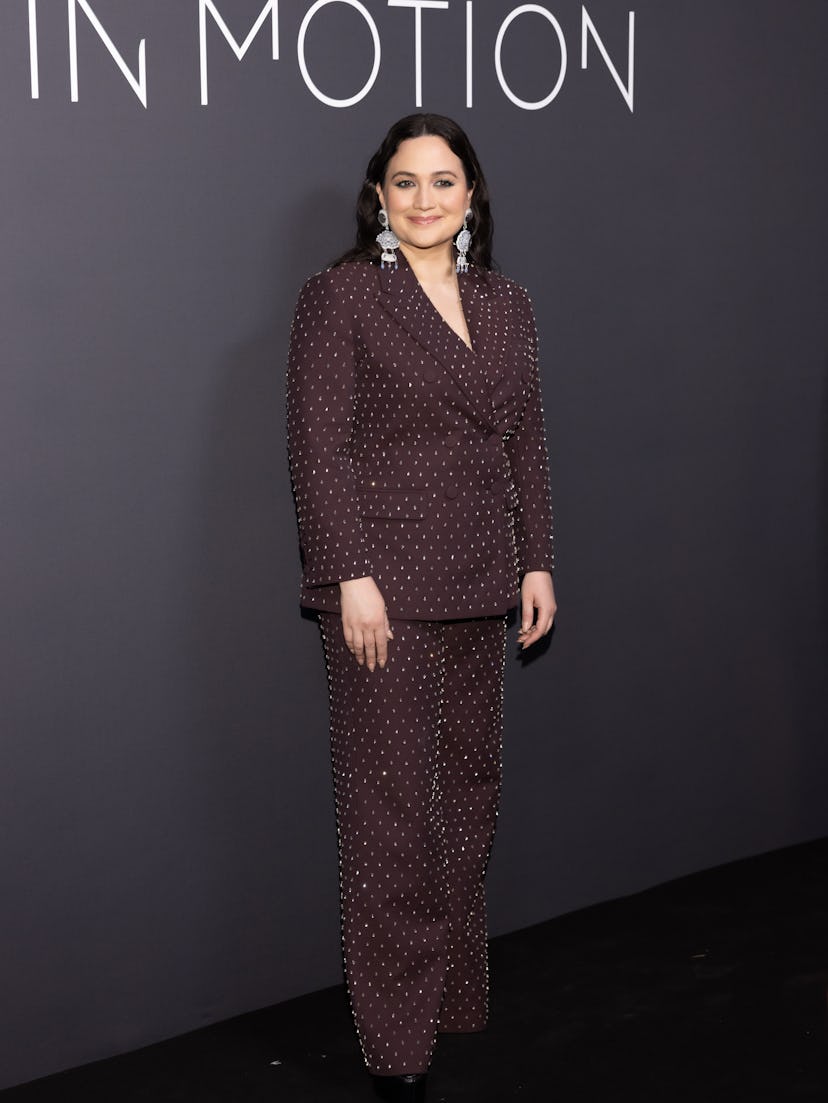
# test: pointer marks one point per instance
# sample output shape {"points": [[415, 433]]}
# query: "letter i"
{"points": [[33, 49]]}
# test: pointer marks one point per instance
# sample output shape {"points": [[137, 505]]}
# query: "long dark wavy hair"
{"points": [[368, 205]]}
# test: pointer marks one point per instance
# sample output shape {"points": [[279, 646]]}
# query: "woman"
{"points": [[420, 474]]}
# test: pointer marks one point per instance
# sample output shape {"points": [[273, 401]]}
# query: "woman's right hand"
{"points": [[365, 621]]}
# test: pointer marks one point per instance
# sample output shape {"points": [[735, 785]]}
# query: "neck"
{"points": [[431, 266]]}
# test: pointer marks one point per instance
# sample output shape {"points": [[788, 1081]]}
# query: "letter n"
{"points": [[139, 86], [588, 27]]}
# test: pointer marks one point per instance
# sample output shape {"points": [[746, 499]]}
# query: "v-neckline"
{"points": [[468, 347], [473, 367]]}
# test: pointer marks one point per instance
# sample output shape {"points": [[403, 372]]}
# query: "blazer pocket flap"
{"points": [[398, 505]]}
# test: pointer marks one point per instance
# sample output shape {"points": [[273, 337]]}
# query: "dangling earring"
{"points": [[462, 242], [387, 241]]}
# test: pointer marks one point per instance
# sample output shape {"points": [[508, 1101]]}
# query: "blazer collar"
{"points": [[474, 370]]}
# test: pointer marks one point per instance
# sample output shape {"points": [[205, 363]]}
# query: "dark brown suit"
{"points": [[423, 464], [414, 459]]}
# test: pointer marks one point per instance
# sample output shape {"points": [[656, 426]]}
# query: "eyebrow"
{"points": [[444, 172]]}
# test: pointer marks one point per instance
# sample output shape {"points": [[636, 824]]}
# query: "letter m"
{"points": [[271, 8]]}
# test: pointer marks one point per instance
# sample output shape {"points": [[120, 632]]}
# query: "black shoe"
{"points": [[401, 1089]]}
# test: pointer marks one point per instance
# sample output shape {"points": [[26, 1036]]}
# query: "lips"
{"points": [[424, 221]]}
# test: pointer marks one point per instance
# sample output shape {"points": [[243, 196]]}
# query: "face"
{"points": [[425, 192]]}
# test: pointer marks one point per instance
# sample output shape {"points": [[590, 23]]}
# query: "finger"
{"points": [[389, 631], [359, 647], [527, 624], [527, 618], [381, 640], [370, 650], [531, 637]]}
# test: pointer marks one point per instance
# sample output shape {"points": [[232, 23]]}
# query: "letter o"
{"points": [[300, 48], [529, 105]]}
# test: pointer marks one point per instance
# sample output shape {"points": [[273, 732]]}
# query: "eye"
{"points": [[444, 183], [403, 183]]}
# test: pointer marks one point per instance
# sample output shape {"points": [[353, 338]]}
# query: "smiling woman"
{"points": [[420, 474], [424, 205]]}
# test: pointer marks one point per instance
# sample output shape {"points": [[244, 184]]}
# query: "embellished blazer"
{"points": [[415, 459]]}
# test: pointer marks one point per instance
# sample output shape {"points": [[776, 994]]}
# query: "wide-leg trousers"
{"points": [[416, 753]]}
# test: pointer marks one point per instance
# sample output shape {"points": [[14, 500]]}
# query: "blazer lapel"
{"points": [[488, 325], [401, 295]]}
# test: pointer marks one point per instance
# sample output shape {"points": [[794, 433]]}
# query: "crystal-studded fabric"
{"points": [[415, 459], [422, 463], [416, 751]]}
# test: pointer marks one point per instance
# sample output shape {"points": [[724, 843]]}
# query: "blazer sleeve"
{"points": [[320, 415], [529, 461]]}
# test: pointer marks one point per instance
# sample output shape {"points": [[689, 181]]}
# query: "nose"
{"points": [[423, 200]]}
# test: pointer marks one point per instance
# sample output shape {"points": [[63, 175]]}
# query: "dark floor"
{"points": [[708, 988]]}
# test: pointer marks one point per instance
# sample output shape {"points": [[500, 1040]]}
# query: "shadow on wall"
{"points": [[268, 813], [809, 651], [822, 506], [810, 678]]}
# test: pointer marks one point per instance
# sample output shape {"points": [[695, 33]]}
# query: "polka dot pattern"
{"points": [[421, 462], [414, 458], [416, 752]]}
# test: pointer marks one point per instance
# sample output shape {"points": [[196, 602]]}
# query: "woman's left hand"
{"points": [[537, 605]]}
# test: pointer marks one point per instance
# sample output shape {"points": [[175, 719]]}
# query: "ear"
{"points": [[379, 193], [469, 196]]}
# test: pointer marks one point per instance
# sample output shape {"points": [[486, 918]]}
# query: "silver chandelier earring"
{"points": [[462, 243], [387, 241]]}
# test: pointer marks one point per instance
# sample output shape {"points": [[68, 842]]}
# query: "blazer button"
{"points": [[430, 375], [451, 491]]}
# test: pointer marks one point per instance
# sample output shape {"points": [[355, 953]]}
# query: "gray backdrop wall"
{"points": [[168, 849]]}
